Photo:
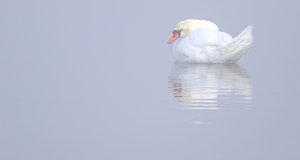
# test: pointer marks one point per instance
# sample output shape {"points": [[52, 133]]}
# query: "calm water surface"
{"points": [[96, 80], [204, 86]]}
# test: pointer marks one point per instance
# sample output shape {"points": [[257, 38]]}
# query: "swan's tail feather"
{"points": [[232, 51]]}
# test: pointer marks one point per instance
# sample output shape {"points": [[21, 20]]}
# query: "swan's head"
{"points": [[186, 27]]}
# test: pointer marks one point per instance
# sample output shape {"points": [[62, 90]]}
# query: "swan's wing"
{"points": [[232, 51]]}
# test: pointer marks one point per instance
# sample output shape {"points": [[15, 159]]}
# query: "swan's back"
{"points": [[232, 51]]}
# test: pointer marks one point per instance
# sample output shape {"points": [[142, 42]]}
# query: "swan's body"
{"points": [[200, 41]]}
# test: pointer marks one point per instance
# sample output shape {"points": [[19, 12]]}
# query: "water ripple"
{"points": [[205, 86]]}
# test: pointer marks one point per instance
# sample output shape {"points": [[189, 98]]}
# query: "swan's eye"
{"points": [[176, 32]]}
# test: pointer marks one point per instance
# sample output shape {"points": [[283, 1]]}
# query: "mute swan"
{"points": [[200, 41]]}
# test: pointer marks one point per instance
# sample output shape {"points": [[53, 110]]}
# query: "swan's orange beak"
{"points": [[175, 36]]}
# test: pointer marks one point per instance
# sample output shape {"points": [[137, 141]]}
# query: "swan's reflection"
{"points": [[204, 86]]}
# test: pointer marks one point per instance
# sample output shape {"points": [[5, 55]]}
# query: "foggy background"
{"points": [[90, 80]]}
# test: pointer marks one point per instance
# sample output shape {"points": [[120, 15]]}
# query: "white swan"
{"points": [[200, 41]]}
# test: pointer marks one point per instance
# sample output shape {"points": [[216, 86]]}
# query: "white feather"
{"points": [[232, 51], [204, 45]]}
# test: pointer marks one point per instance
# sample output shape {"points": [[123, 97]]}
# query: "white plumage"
{"points": [[202, 42]]}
